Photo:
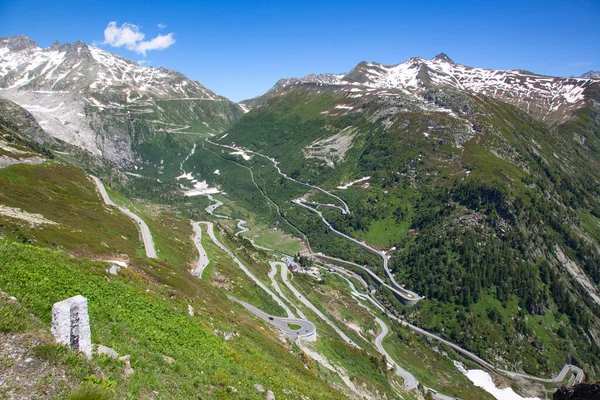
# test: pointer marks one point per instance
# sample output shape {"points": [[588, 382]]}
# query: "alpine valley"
{"points": [[387, 233]]}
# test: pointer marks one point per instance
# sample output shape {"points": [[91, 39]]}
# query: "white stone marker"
{"points": [[71, 324]]}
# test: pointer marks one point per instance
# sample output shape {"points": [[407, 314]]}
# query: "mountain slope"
{"points": [[480, 185], [104, 103], [56, 232], [591, 75]]}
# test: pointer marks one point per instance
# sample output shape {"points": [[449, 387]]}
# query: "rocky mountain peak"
{"points": [[442, 57], [21, 42], [591, 75], [77, 50], [55, 45]]}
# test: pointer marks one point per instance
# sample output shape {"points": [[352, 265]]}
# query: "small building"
{"points": [[371, 289], [293, 265]]}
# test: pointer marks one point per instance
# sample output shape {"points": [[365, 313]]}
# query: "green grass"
{"points": [[15, 319], [65, 195], [590, 224], [172, 233], [150, 324], [431, 368], [91, 392], [294, 326]]}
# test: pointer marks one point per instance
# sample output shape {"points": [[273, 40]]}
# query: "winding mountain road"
{"points": [[398, 289], [203, 260], [211, 234], [344, 208], [144, 230], [579, 375], [404, 293], [275, 285], [303, 300], [410, 382], [307, 330], [411, 297]]}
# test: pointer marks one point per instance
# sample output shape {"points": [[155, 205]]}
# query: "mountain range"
{"points": [[100, 102], [474, 191]]}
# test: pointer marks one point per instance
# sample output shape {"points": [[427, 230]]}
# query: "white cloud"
{"points": [[161, 26], [129, 36], [160, 42]]}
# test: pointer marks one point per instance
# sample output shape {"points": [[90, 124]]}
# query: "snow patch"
{"points": [[347, 185], [240, 152], [483, 380]]}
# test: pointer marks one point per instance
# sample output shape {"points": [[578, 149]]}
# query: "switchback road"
{"points": [[307, 330], [145, 231]]}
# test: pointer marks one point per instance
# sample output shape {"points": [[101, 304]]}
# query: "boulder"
{"points": [[107, 351]]}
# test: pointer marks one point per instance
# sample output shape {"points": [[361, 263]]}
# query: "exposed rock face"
{"points": [[71, 324], [583, 391], [14, 116]]}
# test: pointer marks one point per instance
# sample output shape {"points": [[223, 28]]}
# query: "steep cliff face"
{"points": [[104, 103], [583, 391]]}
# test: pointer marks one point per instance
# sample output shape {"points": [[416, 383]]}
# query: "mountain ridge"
{"points": [[551, 99], [98, 100], [591, 75]]}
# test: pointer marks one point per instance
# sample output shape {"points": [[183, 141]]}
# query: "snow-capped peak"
{"points": [[591, 75], [543, 96], [68, 88], [77, 66], [442, 57]]}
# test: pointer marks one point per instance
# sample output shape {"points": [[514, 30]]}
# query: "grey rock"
{"points": [[169, 360], [270, 395], [128, 370], [71, 324], [114, 270], [259, 388], [107, 351]]}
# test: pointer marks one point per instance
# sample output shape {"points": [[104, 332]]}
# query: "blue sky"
{"points": [[239, 49]]}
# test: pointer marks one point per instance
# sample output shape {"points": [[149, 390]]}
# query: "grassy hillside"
{"points": [[475, 212], [148, 320]]}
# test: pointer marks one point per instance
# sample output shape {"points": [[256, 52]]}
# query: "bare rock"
{"points": [[169, 360], [226, 335], [259, 388], [128, 370], [107, 351]]}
